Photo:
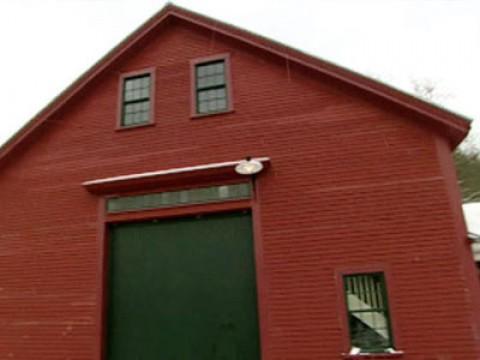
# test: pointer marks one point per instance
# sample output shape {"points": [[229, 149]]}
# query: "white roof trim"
{"points": [[476, 251], [474, 237], [169, 172]]}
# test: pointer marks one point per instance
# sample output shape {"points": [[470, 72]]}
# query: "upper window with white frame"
{"points": [[211, 87], [136, 100]]}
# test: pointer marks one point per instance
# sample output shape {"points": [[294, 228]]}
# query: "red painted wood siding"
{"points": [[353, 184]]}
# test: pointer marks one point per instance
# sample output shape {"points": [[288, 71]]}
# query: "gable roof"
{"points": [[454, 126]]}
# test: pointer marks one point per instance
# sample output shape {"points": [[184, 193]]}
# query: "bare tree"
{"points": [[467, 158], [427, 89]]}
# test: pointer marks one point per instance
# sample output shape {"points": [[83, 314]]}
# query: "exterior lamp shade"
{"points": [[249, 167]]}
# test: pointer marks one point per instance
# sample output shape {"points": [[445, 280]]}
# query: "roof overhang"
{"points": [[474, 237]]}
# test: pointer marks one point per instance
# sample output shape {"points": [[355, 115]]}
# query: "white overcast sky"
{"points": [[46, 44]]}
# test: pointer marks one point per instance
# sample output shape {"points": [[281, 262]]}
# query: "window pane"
{"points": [[201, 71], [144, 117], [212, 94], [128, 119], [128, 109], [133, 83], [219, 68], [144, 93], [219, 79], [222, 104], [136, 94], [203, 108], [210, 69], [201, 83], [128, 95], [367, 311], [128, 84], [212, 105], [208, 82]]}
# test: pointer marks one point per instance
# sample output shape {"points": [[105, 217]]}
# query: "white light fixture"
{"points": [[249, 167]]}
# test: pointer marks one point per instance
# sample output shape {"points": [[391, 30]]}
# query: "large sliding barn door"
{"points": [[183, 289]]}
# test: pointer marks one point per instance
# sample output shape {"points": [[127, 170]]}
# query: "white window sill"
{"points": [[395, 354]]}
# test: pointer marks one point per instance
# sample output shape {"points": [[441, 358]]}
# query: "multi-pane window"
{"points": [[368, 315], [211, 87], [167, 199], [136, 100]]}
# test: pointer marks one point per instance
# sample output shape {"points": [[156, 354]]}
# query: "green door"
{"points": [[183, 289]]}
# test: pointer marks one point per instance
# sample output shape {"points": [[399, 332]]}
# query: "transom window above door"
{"points": [[195, 196]]}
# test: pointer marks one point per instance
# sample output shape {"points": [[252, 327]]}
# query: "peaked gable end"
{"points": [[451, 125]]}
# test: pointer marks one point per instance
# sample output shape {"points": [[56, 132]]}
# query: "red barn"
{"points": [[205, 193]]}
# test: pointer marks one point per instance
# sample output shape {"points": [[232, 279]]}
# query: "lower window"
{"points": [[368, 314]]}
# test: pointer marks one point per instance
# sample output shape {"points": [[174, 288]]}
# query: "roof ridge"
{"points": [[456, 122]]}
